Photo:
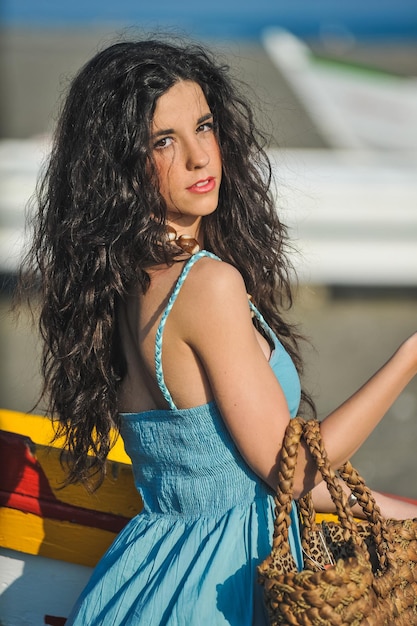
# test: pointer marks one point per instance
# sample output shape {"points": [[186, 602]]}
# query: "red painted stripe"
{"points": [[20, 471], [63, 512], [25, 487]]}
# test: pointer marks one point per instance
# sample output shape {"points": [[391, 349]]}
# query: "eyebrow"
{"points": [[170, 131]]}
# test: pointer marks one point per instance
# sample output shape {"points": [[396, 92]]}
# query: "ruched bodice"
{"points": [[190, 557], [198, 469]]}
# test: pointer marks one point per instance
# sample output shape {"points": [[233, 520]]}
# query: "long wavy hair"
{"points": [[100, 220]]}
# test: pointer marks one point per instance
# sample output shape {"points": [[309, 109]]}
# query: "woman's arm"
{"points": [[346, 428], [350, 424], [216, 322], [390, 507]]}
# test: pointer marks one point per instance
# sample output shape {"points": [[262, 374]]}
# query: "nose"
{"points": [[197, 156]]}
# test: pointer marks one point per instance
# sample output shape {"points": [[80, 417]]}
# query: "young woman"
{"points": [[155, 223]]}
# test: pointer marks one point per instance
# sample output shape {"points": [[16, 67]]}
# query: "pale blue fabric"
{"points": [[190, 557]]}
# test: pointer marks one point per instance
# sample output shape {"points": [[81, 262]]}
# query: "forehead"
{"points": [[182, 101]]}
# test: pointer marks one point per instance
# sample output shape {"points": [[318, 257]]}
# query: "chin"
{"points": [[210, 208]]}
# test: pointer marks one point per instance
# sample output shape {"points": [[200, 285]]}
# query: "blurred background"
{"points": [[334, 85]]}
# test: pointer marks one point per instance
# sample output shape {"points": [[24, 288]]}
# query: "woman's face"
{"points": [[186, 155]]}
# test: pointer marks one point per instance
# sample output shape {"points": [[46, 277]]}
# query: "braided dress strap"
{"points": [[160, 331], [261, 320]]}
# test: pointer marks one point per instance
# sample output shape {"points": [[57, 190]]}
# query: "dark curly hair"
{"points": [[94, 236]]}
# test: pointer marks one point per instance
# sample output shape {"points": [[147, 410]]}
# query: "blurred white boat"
{"points": [[353, 209], [352, 215], [353, 106]]}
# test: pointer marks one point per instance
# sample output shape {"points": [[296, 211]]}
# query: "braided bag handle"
{"points": [[372, 512], [284, 493], [297, 429], [313, 439], [377, 526]]}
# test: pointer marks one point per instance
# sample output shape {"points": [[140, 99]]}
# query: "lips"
{"points": [[203, 186]]}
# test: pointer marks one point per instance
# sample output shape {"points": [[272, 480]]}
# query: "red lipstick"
{"points": [[203, 186]]}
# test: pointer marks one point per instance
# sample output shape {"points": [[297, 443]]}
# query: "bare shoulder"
{"points": [[213, 295], [211, 278]]}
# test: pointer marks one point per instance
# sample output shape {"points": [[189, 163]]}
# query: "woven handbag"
{"points": [[359, 573]]}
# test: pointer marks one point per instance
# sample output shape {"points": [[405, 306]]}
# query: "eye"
{"points": [[204, 128], [162, 143]]}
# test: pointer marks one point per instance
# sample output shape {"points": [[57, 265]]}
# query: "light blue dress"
{"points": [[190, 557]]}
